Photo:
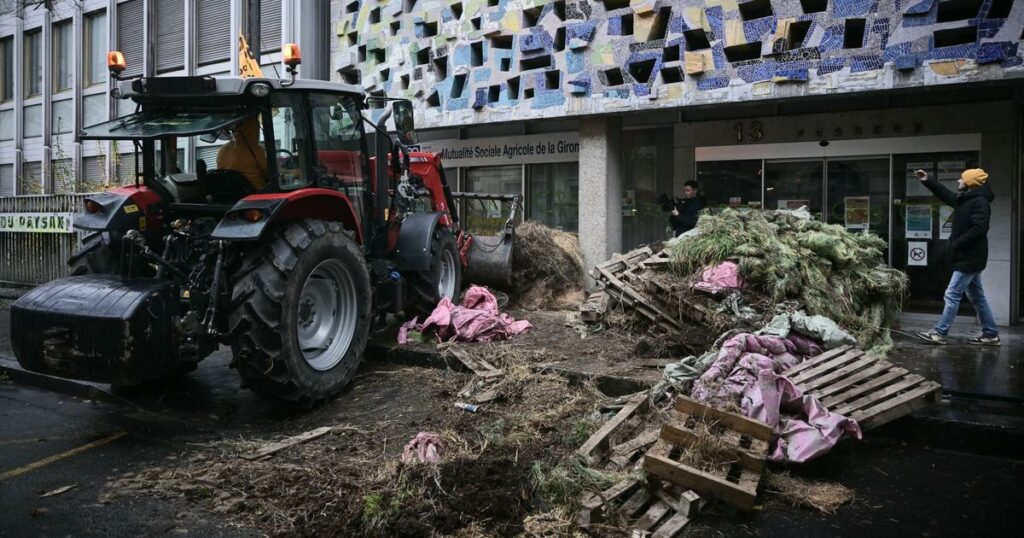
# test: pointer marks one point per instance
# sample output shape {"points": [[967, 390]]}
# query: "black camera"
{"points": [[668, 203]]}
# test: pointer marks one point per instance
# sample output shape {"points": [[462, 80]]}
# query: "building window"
{"points": [[213, 31], [488, 216], [62, 54], [33, 63], [94, 109], [6, 124], [31, 178], [554, 195], [6, 69], [95, 48], [63, 117], [6, 180], [270, 26], [170, 35], [130, 42], [33, 121]]}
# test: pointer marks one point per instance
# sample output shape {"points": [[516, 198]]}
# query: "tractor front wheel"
{"points": [[442, 280], [300, 312]]}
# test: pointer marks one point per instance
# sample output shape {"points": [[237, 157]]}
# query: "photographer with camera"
{"points": [[683, 212]]}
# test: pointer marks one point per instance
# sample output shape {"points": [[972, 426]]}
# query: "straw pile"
{"points": [[822, 496], [547, 268], [783, 255]]}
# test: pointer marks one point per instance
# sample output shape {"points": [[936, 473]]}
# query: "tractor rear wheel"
{"points": [[443, 279], [94, 257], [300, 312]]}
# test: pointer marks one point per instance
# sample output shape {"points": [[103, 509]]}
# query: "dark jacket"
{"points": [[689, 210], [968, 240]]}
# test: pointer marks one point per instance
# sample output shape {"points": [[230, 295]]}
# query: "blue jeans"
{"points": [[971, 284]]}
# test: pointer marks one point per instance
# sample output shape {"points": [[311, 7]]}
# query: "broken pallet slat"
{"points": [[749, 426], [595, 307], [690, 477], [672, 527], [273, 448], [479, 367], [652, 516], [635, 502], [599, 440], [593, 505]]}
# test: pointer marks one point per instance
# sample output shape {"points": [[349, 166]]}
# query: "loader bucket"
{"points": [[97, 328], [489, 260]]}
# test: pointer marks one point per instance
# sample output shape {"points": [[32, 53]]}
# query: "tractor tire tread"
{"points": [[256, 324]]}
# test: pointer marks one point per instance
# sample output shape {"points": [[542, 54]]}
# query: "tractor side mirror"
{"points": [[405, 123]]}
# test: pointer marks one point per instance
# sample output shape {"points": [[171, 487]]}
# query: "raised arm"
{"points": [[940, 191]]}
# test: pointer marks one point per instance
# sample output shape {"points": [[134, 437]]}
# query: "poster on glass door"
{"points": [[945, 222], [857, 214], [919, 222]]}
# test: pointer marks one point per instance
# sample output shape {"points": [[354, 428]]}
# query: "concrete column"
{"points": [[600, 195]]}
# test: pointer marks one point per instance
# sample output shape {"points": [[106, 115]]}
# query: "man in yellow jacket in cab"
{"points": [[245, 155]]}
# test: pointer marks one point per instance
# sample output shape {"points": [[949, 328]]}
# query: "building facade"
{"points": [[591, 109], [54, 79]]}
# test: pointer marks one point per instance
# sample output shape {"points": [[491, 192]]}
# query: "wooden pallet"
{"points": [[598, 445], [869, 390], [653, 508], [748, 440]]}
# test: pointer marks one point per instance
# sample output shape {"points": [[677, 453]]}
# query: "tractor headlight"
{"points": [[259, 89]]}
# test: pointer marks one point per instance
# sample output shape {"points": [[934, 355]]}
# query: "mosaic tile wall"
{"points": [[477, 61]]}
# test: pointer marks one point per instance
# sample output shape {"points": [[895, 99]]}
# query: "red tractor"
{"points": [[290, 273]]}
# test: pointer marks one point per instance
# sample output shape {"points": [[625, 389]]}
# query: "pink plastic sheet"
{"points": [[721, 277], [477, 319], [746, 373], [426, 447]]}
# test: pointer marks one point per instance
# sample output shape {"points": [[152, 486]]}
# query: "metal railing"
{"points": [[33, 258]]}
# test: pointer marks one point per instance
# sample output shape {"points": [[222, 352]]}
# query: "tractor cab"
{"points": [[257, 135]]}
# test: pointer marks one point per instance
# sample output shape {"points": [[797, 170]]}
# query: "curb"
{"points": [[82, 389]]}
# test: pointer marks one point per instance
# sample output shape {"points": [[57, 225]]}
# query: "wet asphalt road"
{"points": [[49, 440]]}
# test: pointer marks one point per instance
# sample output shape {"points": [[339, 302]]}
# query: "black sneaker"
{"points": [[931, 337], [985, 340]]}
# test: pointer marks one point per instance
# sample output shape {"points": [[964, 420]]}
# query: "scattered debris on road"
{"points": [[58, 491]]}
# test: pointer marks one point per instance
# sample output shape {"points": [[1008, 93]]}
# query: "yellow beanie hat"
{"points": [[974, 178]]}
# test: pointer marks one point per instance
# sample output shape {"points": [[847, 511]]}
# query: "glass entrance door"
{"points": [[921, 227], [647, 172], [792, 184], [858, 194]]}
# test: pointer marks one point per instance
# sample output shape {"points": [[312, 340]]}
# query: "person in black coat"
{"points": [[968, 246], [684, 214]]}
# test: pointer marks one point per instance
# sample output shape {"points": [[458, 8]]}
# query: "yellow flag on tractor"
{"points": [[248, 66]]}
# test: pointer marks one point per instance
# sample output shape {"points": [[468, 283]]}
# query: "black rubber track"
{"points": [[263, 310]]}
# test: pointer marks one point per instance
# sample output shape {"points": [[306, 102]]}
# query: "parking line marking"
{"points": [[66, 454]]}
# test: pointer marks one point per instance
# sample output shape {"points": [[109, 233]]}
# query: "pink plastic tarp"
{"points": [[426, 447], [477, 319], [746, 373], [721, 277]]}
